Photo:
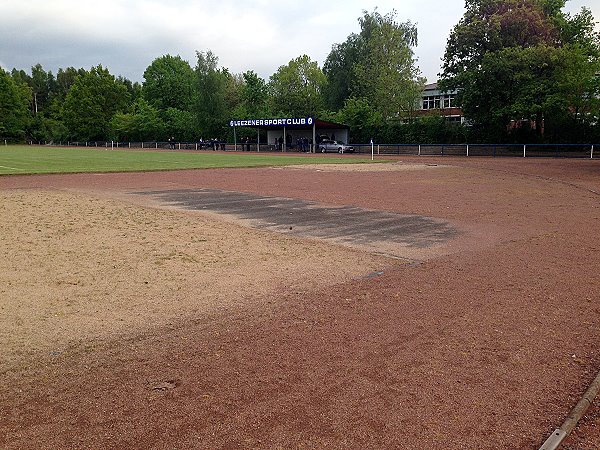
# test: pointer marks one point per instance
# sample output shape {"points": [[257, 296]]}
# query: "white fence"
{"points": [[489, 150]]}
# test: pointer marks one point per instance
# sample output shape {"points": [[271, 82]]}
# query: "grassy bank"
{"points": [[34, 160]]}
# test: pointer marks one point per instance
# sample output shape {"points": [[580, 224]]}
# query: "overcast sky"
{"points": [[260, 35]]}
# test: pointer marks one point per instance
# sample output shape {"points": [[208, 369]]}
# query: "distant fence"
{"points": [[139, 145], [487, 150], [490, 150]]}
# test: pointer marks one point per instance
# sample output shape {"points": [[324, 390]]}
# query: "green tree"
{"points": [[508, 61], [297, 88], [254, 97], [20, 77], [123, 127], [134, 89], [148, 123], [210, 102], [14, 102], [339, 70], [386, 72], [65, 78], [181, 125], [91, 103], [142, 123], [52, 127], [378, 63], [44, 124], [234, 92], [43, 85], [364, 120], [169, 83]]}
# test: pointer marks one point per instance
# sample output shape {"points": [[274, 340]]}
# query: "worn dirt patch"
{"points": [[365, 167], [74, 269], [487, 345], [406, 236]]}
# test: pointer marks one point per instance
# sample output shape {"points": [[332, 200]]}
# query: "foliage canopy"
{"points": [[523, 70], [523, 67]]}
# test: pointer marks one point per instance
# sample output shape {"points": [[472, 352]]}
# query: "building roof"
{"points": [[324, 124]]}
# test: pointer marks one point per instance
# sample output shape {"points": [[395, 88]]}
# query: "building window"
{"points": [[431, 102], [448, 101]]}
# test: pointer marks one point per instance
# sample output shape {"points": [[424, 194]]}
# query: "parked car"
{"points": [[327, 145]]}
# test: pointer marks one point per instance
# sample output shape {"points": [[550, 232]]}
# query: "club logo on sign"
{"points": [[271, 122]]}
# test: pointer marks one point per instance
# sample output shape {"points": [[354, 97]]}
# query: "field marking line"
{"points": [[11, 168]]}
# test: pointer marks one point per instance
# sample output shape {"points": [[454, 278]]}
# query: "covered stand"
{"points": [[287, 134]]}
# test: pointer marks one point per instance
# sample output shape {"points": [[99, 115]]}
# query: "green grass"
{"points": [[16, 159]]}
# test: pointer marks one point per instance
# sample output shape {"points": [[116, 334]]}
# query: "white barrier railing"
{"points": [[469, 150]]}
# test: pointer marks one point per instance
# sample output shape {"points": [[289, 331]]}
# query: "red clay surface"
{"points": [[487, 344]]}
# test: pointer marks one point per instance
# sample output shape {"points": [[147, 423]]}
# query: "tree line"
{"points": [[523, 70]]}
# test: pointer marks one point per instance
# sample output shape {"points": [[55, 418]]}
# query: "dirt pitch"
{"points": [[126, 322]]}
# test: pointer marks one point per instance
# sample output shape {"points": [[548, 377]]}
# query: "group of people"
{"points": [[303, 144], [213, 143], [246, 144]]}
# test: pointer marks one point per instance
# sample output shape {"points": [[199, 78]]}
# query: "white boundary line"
{"points": [[11, 168]]}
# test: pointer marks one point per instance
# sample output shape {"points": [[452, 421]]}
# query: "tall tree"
{"points": [[181, 125], [211, 85], [572, 111], [65, 78], [339, 70], [507, 60], [43, 85], [254, 97], [386, 71], [362, 118], [141, 123], [377, 64], [134, 89], [14, 101], [234, 92], [91, 103], [168, 83], [52, 125], [297, 88]]}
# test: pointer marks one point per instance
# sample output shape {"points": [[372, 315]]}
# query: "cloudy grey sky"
{"points": [[260, 35]]}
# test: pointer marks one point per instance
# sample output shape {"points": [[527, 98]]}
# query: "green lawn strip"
{"points": [[37, 160]]}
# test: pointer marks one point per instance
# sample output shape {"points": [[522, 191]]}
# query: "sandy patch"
{"points": [[74, 268], [367, 167]]}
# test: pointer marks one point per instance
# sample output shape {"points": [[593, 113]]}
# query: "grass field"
{"points": [[31, 160]]}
